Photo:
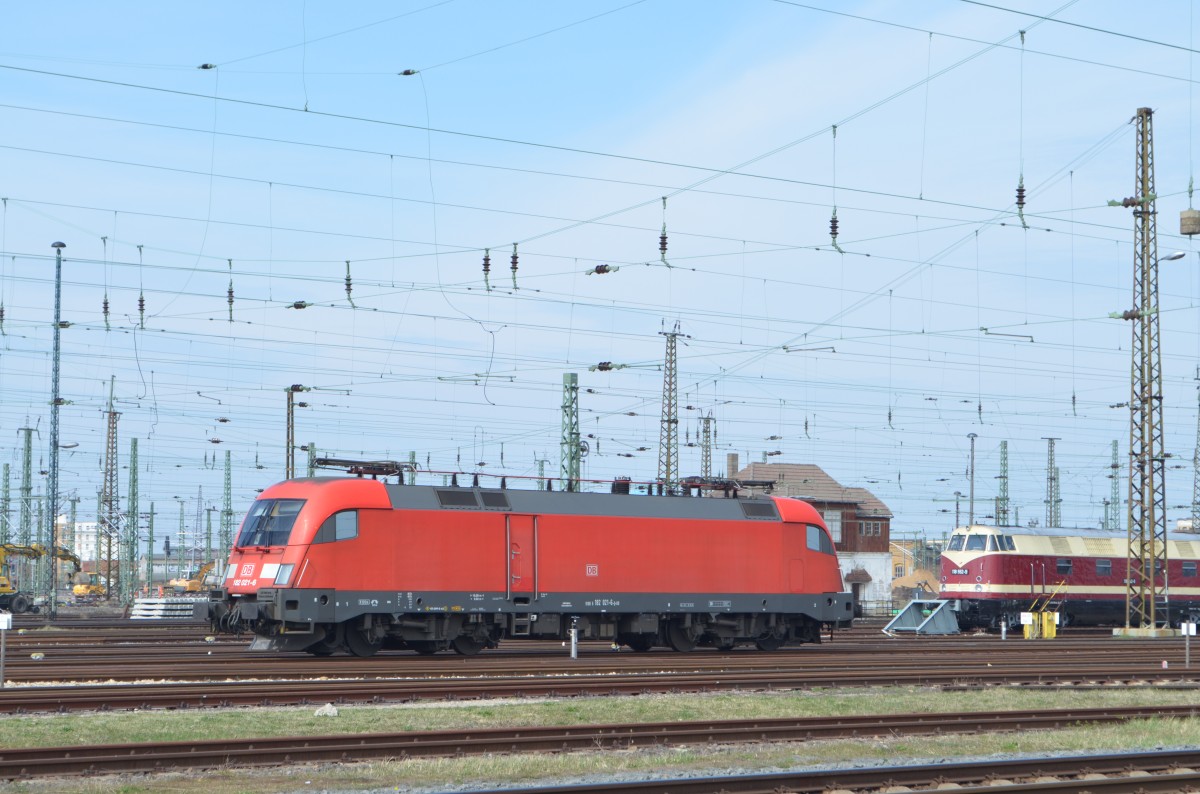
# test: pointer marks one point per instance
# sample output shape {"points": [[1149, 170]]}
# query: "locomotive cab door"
{"points": [[520, 533]]}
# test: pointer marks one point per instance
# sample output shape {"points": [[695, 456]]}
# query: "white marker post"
{"points": [[5, 625], [1189, 629]]}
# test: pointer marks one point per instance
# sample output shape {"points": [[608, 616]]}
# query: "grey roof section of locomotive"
{"points": [[426, 497], [1069, 532]]}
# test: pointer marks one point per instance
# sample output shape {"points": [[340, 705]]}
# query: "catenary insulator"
{"points": [[662, 241], [487, 261], [513, 267], [833, 227], [1021, 196]]}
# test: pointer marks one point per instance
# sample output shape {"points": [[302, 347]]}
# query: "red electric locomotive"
{"points": [[326, 564], [994, 573]]}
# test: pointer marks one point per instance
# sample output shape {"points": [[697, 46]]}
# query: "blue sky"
{"points": [[561, 127]]}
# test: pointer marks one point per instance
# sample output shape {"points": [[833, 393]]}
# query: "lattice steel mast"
{"points": [[1114, 497], [227, 510], [706, 444], [1053, 502], [668, 438], [570, 450], [1002, 499], [1146, 563], [25, 527], [5, 506], [1196, 469], [129, 539], [110, 508]]}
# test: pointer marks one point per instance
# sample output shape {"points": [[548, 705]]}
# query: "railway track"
{"points": [[1123, 773], [209, 694], [154, 757], [62, 656]]}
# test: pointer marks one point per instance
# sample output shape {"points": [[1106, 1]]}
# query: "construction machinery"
{"points": [[195, 582], [88, 587], [13, 599]]}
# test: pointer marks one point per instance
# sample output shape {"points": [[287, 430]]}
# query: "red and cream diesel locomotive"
{"points": [[328, 564], [995, 573]]}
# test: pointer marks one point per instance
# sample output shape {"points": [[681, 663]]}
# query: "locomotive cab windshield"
{"points": [[976, 540], [269, 522]]}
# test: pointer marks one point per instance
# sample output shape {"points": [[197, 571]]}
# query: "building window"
{"points": [[898, 571], [833, 520]]}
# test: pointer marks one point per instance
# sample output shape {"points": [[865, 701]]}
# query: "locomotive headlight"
{"points": [[285, 573]]}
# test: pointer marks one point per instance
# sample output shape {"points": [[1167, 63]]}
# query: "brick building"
{"points": [[858, 521]]}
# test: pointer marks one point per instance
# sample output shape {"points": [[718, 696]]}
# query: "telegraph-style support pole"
{"points": [[290, 456], [1146, 564]]}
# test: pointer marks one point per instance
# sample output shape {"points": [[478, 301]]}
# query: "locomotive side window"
{"points": [[1008, 543], [818, 540], [993, 543], [956, 542], [269, 522], [342, 525], [1104, 567], [457, 498], [1062, 567], [760, 510], [976, 543], [494, 500], [1189, 569]]}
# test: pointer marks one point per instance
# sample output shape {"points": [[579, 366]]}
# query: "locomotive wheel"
{"points": [[640, 642], [680, 638], [19, 604], [769, 642], [467, 645], [322, 648], [425, 647], [359, 643], [328, 645]]}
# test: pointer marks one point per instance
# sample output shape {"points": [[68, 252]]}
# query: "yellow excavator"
{"points": [[88, 587], [13, 599], [194, 583]]}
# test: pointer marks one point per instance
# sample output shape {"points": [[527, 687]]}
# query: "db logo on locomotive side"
{"points": [[248, 569]]}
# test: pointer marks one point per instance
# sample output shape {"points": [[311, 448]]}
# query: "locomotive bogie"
{"points": [[357, 566]]}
